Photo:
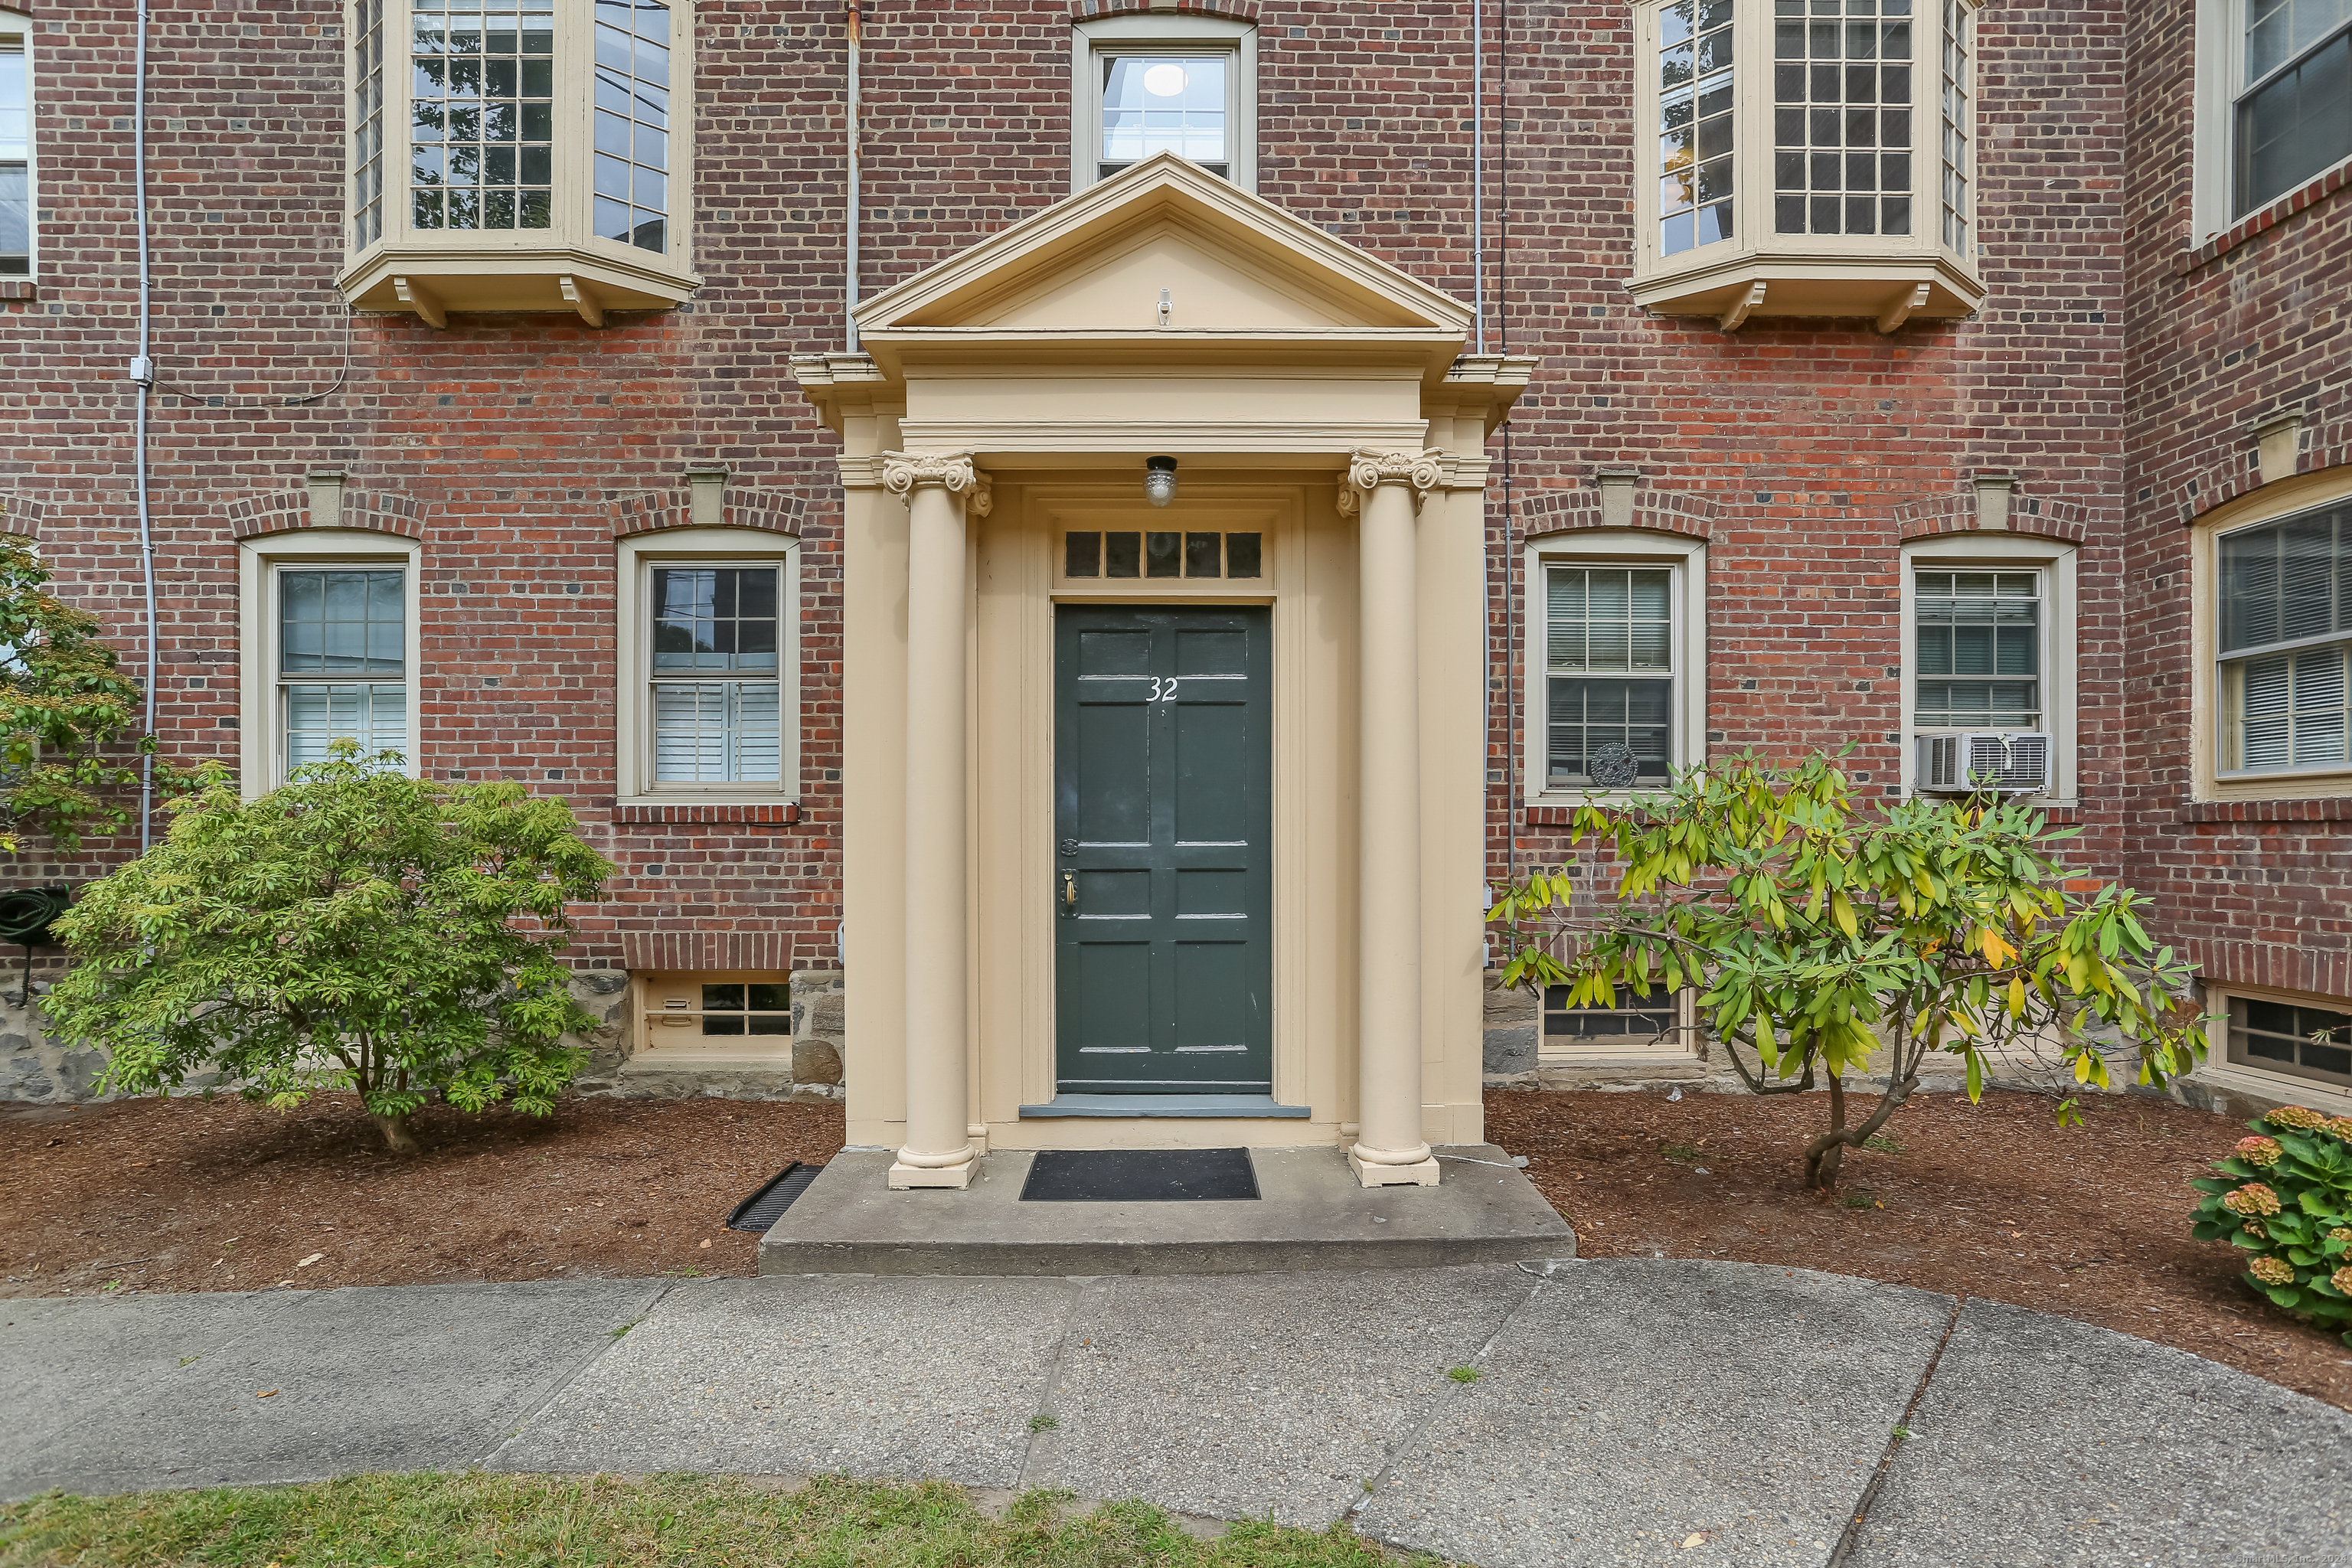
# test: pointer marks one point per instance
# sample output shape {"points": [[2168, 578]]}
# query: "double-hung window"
{"points": [[2285, 644], [709, 689], [1805, 158], [1979, 638], [2291, 115], [1615, 697], [1988, 628], [1142, 85], [330, 650], [16, 145]]}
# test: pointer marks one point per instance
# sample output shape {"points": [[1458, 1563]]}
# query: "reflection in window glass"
{"points": [[632, 86], [1842, 117], [1956, 113], [1694, 124], [367, 124], [15, 157], [482, 119], [334, 626], [1609, 659], [1164, 103], [1980, 650], [747, 1008]]}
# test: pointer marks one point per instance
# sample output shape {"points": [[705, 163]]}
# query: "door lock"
{"points": [[1070, 890]]}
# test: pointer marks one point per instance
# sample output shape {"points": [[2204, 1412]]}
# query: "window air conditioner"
{"points": [[1980, 761]]}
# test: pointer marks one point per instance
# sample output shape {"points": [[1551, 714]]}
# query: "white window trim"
{"points": [[1753, 158], [2221, 68], [2219, 1071], [16, 22], [1680, 1044], [655, 1049], [2269, 504], [261, 743], [1612, 547], [1178, 34], [2056, 559], [632, 708]]}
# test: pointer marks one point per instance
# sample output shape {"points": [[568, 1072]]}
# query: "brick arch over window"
{"points": [[774, 512], [2323, 443], [2042, 517], [1657, 510], [285, 511], [1237, 10]]}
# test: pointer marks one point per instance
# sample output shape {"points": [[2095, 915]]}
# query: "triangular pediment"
{"points": [[1229, 262]]}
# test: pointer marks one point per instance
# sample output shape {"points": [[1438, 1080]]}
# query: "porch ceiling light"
{"points": [[1159, 481]]}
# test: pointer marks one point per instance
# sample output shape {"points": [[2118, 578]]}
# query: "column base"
{"points": [[1424, 1175], [904, 1177]]}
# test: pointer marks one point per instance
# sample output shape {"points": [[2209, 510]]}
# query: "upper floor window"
{"points": [[2286, 640], [519, 154], [2293, 114], [1163, 83], [1813, 158], [15, 146], [1988, 621]]}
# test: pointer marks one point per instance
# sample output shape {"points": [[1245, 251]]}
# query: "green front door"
{"points": [[1162, 757]]}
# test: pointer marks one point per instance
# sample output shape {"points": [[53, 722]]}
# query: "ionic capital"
{"points": [[1369, 470], [903, 472]]}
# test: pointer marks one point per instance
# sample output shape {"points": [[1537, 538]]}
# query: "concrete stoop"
{"points": [[1311, 1214]]}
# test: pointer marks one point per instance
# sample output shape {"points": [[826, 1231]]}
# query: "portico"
{"points": [[1163, 823]]}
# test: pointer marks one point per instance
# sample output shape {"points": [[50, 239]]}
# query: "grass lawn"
{"points": [[505, 1522]]}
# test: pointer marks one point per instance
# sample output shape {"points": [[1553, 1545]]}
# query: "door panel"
{"points": [[1163, 757]]}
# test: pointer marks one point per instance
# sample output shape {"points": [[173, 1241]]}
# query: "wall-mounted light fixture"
{"points": [[1159, 481]]}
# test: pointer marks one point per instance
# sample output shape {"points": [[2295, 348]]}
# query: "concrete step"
{"points": [[1311, 1214]]}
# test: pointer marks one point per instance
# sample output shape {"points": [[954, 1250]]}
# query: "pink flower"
{"points": [[2341, 1126], [2259, 1151], [2273, 1270], [2253, 1198], [2253, 1228], [2301, 1117]]}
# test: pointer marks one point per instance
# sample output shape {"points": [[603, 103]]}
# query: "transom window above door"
{"points": [[1163, 83], [1193, 553]]}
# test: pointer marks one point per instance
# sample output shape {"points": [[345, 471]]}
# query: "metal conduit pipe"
{"points": [[143, 376], [856, 45]]}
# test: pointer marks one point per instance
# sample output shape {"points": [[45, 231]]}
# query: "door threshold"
{"points": [[1165, 1105]]}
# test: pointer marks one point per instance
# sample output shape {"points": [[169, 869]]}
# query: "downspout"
{"points": [[856, 45], [1478, 169], [1514, 689], [143, 376]]}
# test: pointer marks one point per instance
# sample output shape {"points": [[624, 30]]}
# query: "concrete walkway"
{"points": [[1624, 1408]]}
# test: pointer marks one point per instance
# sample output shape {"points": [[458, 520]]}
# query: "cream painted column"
{"points": [[937, 489], [1385, 490]]}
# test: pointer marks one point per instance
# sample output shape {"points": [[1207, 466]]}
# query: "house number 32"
{"points": [[1163, 689]]}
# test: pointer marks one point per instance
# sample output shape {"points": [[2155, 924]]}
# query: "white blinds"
{"points": [[375, 715], [2286, 638], [716, 731]]}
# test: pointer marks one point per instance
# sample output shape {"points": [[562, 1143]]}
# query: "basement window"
{"points": [[1806, 158], [518, 156], [705, 1015]]}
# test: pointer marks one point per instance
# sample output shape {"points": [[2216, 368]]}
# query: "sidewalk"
{"points": [[1623, 1407]]}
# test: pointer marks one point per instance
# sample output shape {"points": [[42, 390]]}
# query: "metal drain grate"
{"points": [[764, 1207]]}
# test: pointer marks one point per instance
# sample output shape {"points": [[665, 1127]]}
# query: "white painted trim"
{"points": [[632, 718], [2056, 559], [261, 739], [1603, 547], [18, 23], [1173, 34], [2268, 504], [2218, 1070]]}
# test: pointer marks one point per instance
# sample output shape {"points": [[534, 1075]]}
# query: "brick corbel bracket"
{"points": [[1616, 498], [324, 501], [1993, 504], [707, 500], [1238, 10], [20, 514]]}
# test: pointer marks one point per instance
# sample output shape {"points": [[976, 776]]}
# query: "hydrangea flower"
{"points": [[2342, 1127], [2341, 1233], [2253, 1228], [2342, 1280], [2253, 1198], [2271, 1270], [2301, 1117], [2259, 1151]]}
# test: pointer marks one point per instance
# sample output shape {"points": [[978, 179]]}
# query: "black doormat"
{"points": [[1139, 1175], [762, 1208]]}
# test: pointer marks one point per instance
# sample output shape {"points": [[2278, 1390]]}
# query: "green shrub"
{"points": [[2286, 1196]]}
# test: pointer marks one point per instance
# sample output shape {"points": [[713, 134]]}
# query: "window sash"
{"points": [[2288, 711], [15, 157], [314, 714], [1977, 653], [717, 733], [1202, 134], [2279, 141]]}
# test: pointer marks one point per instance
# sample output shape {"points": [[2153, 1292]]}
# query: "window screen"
{"points": [[716, 669], [343, 661], [2294, 110], [1166, 103], [1610, 675], [1694, 124], [2286, 634], [1842, 117], [1980, 650]]}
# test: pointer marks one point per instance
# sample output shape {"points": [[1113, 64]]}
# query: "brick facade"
{"points": [[2114, 372]]}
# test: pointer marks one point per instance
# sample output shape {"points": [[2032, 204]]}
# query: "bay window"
{"points": [[518, 156], [1808, 158]]}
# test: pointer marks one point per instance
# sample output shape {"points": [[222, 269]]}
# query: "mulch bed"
{"points": [[188, 1195], [1992, 1200]]}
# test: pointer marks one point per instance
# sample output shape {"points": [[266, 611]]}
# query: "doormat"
{"points": [[1139, 1175], [764, 1207]]}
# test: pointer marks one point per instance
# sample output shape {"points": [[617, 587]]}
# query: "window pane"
{"points": [[1828, 128], [1694, 131], [2287, 580], [715, 617], [341, 623], [483, 73], [770, 997], [2295, 125], [375, 715], [1160, 104], [1242, 554], [1082, 556], [1588, 715], [632, 96]]}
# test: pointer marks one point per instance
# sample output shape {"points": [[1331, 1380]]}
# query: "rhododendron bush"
{"points": [[2286, 1196]]}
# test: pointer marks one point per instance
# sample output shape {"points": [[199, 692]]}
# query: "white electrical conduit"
{"points": [[143, 376], [1479, 167], [856, 44]]}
